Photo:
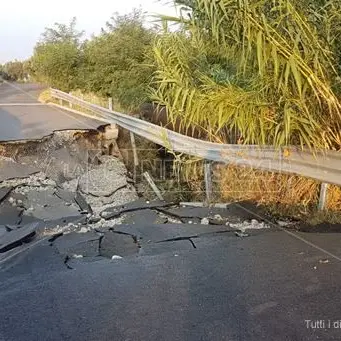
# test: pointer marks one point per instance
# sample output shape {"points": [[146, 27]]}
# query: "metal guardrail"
{"points": [[324, 166]]}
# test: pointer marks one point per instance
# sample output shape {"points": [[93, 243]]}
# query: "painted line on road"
{"points": [[21, 104], [292, 234]]}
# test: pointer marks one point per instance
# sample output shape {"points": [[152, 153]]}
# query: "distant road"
{"points": [[22, 116]]}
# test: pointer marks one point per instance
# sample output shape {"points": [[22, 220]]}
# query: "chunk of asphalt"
{"points": [[82, 203], [168, 232], [10, 215], [85, 244], [232, 211], [4, 191], [140, 204], [15, 238], [148, 216], [117, 244], [13, 170], [47, 206], [67, 196]]}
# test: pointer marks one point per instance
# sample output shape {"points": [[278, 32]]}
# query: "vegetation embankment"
{"points": [[265, 72]]}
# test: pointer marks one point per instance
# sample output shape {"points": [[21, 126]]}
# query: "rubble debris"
{"points": [[17, 237], [105, 179], [250, 225]]}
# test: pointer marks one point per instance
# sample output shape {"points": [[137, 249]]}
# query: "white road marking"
{"points": [[292, 234], [20, 104]]}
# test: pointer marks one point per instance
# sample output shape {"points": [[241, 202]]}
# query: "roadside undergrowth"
{"points": [[282, 195]]}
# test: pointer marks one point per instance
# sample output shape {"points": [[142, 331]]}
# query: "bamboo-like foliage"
{"points": [[268, 69]]}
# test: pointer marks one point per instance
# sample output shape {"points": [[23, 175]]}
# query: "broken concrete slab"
{"points": [[47, 206], [4, 191], [17, 237], [13, 170], [118, 244], [84, 244], [167, 232], [140, 204]]}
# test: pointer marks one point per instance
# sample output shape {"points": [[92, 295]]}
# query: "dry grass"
{"points": [[45, 97], [282, 194]]}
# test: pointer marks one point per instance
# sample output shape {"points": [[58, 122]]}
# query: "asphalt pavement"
{"points": [[270, 284], [23, 117]]}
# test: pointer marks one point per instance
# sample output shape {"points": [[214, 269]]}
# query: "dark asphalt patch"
{"points": [[17, 237], [79, 244], [116, 244]]}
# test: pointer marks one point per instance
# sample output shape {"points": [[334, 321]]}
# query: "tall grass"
{"points": [[264, 68]]}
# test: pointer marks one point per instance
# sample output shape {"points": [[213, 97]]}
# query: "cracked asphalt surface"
{"points": [[219, 287], [83, 261]]}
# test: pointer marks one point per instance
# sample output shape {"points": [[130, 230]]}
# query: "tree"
{"points": [[117, 63], [57, 56], [269, 69], [14, 71]]}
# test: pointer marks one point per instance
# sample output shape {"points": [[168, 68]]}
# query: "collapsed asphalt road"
{"points": [[83, 257], [140, 270]]}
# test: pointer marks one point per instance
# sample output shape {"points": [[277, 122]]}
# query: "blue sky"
{"points": [[22, 21]]}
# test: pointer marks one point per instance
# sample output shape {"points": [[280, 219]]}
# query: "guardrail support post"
{"points": [[110, 103], [133, 145], [153, 186], [208, 181], [323, 196]]}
